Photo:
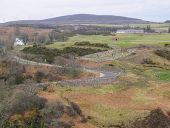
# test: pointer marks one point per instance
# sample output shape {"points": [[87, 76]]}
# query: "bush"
{"points": [[70, 111], [50, 54], [148, 61], [49, 59], [163, 53], [76, 108], [19, 79], [28, 119], [39, 76], [72, 72], [59, 124], [55, 109], [23, 102], [22, 110], [80, 51]]}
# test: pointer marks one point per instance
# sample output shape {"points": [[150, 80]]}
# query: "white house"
{"points": [[130, 31], [18, 42]]}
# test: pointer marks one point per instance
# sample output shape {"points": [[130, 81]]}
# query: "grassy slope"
{"points": [[139, 89], [147, 39], [124, 41], [163, 75]]}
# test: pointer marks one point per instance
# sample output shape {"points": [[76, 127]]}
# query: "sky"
{"points": [[151, 10]]}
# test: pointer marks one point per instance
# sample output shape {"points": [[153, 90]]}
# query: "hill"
{"points": [[79, 19], [168, 21]]}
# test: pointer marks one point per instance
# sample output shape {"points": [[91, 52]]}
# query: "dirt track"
{"points": [[105, 77]]}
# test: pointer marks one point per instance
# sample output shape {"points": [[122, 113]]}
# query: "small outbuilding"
{"points": [[18, 42]]}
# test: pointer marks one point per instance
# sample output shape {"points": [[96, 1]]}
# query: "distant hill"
{"points": [[168, 21], [80, 19]]}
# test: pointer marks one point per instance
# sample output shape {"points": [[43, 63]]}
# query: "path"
{"points": [[105, 77]]}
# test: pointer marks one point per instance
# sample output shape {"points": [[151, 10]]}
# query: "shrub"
{"points": [[73, 72], [22, 110], [49, 59], [23, 102], [76, 108], [163, 53], [50, 54], [70, 111], [55, 109], [148, 61], [39, 76], [80, 51], [28, 119], [50, 89], [19, 79], [59, 124]]}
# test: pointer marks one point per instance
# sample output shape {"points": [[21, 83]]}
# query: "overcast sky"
{"points": [[153, 10]]}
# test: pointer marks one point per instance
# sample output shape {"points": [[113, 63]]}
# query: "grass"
{"points": [[141, 98], [106, 116], [125, 40], [100, 90], [146, 39], [163, 75], [79, 38], [136, 76], [166, 94], [60, 45]]}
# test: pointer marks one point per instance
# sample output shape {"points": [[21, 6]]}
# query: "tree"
{"points": [[148, 28], [24, 37], [35, 36], [42, 39], [17, 31], [52, 35], [10, 41]]}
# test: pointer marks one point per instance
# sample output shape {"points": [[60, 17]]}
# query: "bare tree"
{"points": [[24, 37], [42, 39], [17, 31], [52, 35]]}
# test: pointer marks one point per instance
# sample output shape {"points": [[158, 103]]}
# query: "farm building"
{"points": [[2, 50], [18, 42], [130, 31]]}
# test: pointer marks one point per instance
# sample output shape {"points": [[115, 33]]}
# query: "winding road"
{"points": [[104, 77]]}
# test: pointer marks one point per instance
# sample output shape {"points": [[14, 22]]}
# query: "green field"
{"points": [[163, 75], [125, 40], [140, 87], [153, 25]]}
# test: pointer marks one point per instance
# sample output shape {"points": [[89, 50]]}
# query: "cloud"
{"points": [[40, 9]]}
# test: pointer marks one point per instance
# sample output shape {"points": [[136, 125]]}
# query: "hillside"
{"points": [[79, 19], [168, 21]]}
